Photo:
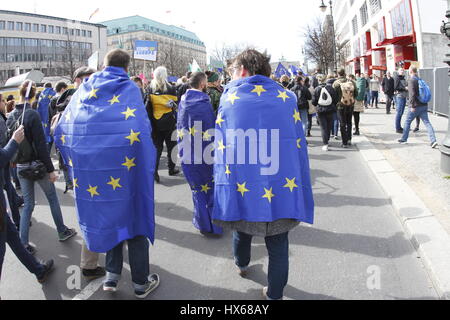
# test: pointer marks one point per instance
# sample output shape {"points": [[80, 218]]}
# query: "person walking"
{"points": [[312, 109], [115, 187], [325, 99], [60, 88], [401, 93], [367, 96], [388, 85], [347, 93], [417, 108], [359, 103], [34, 153], [374, 85], [254, 102], [161, 107], [331, 79], [303, 97], [214, 89]]}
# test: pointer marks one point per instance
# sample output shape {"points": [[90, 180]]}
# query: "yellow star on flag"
{"points": [[115, 99], [129, 163], [93, 191], [70, 163], [269, 194], [219, 120], [296, 116], [50, 96], [205, 188], [228, 172], [259, 90], [291, 184], [180, 134], [93, 93], [221, 146], [283, 95], [129, 113], [115, 183], [63, 139], [299, 141], [242, 188], [75, 183], [133, 137], [192, 131], [206, 136], [232, 98]]}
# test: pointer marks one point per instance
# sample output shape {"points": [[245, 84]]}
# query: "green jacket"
{"points": [[337, 87], [361, 85], [215, 95]]}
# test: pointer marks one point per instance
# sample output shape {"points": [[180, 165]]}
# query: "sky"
{"points": [[273, 25]]}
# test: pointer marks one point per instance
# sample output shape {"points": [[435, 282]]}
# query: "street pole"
{"points": [[334, 38], [445, 148]]}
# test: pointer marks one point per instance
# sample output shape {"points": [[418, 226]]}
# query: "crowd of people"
{"points": [[32, 132]]}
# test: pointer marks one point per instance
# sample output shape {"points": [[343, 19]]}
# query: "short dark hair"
{"points": [[82, 72], [196, 79], [48, 85], [117, 58], [60, 86], [255, 62], [137, 79], [341, 72], [10, 98], [24, 87]]}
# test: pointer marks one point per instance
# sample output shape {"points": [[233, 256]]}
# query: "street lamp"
{"points": [[323, 7], [445, 149]]}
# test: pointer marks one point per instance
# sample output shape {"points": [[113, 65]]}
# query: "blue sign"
{"points": [[146, 50]]}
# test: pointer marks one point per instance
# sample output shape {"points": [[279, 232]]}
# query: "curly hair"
{"points": [[255, 62]]}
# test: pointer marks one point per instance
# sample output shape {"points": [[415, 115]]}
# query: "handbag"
{"points": [[34, 172]]}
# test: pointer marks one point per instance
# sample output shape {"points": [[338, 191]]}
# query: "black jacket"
{"points": [[316, 98], [168, 122], [388, 86], [413, 86], [6, 155], [304, 94], [34, 133], [400, 84]]}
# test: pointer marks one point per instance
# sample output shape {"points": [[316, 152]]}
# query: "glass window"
{"points": [[10, 25], [78, 32], [51, 29], [58, 30], [90, 34], [364, 14], [28, 27], [72, 32], [43, 28], [19, 26], [35, 27], [2, 25], [65, 30], [83, 33]]}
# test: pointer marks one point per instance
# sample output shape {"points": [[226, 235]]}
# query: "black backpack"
{"points": [[26, 152]]}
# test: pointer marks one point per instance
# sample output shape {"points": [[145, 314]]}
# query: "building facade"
{"points": [[177, 47], [55, 46], [374, 36]]}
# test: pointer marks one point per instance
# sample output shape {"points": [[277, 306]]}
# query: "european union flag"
{"points": [[262, 169], [43, 103], [105, 138], [196, 123], [294, 70], [281, 70]]}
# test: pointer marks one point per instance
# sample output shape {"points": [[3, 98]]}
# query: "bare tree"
{"points": [[173, 58], [319, 45], [225, 52]]}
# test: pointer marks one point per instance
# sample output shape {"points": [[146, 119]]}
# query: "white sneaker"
{"points": [[325, 148]]}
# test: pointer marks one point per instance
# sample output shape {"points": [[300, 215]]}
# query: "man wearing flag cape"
{"points": [[105, 137], [257, 194], [43, 104], [195, 127]]}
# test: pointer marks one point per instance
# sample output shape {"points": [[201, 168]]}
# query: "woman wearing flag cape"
{"points": [[271, 196], [196, 123]]}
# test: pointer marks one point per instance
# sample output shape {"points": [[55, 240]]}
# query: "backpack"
{"points": [[424, 91], [325, 99], [26, 152], [348, 93]]}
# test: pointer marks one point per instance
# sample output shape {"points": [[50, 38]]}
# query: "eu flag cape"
{"points": [[195, 125], [105, 138], [269, 117], [281, 70], [43, 103]]}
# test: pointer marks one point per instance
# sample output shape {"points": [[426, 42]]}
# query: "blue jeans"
{"points": [[138, 255], [278, 248], [421, 112], [367, 98], [28, 197], [304, 117], [401, 103], [374, 98], [335, 128], [11, 237]]}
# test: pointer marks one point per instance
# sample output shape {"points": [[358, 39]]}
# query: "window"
{"points": [[10, 25], [72, 32], [27, 27], [19, 26], [364, 14], [58, 30], [83, 33], [43, 28], [51, 29], [355, 25], [2, 25], [375, 6], [65, 30], [35, 27], [90, 34], [78, 32]]}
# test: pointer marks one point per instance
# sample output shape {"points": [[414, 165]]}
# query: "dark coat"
{"points": [[304, 93], [413, 86], [316, 98], [388, 86]]}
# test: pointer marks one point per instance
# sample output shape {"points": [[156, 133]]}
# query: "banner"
{"points": [[146, 50], [93, 61]]}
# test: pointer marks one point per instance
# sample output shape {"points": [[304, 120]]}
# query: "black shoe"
{"points": [[94, 274], [356, 133], [48, 267], [416, 130], [31, 250], [309, 134], [68, 187], [157, 178], [20, 202], [174, 172], [400, 131]]}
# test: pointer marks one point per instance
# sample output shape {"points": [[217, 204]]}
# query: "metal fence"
{"points": [[438, 79]]}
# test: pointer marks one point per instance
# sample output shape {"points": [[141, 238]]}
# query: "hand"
{"points": [[53, 177], [19, 135]]}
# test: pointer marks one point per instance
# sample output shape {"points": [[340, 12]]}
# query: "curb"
{"points": [[423, 229]]}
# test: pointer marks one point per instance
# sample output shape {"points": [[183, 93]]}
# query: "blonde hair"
{"points": [[159, 82]]}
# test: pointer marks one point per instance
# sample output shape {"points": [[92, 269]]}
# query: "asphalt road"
{"points": [[356, 250]]}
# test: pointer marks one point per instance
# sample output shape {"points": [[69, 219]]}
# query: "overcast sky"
{"points": [[275, 25]]}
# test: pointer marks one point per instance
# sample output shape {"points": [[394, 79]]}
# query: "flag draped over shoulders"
{"points": [[43, 104], [196, 123], [261, 191], [105, 138]]}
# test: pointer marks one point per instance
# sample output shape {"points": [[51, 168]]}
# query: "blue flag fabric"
{"points": [[294, 70], [281, 70], [43, 103], [196, 123], [105, 137], [242, 191]]}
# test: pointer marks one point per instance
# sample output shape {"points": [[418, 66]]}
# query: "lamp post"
{"points": [[445, 149], [324, 7]]}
